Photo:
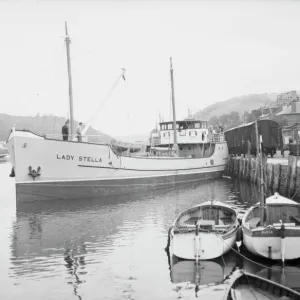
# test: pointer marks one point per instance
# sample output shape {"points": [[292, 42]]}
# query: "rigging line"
{"points": [[259, 264], [92, 119], [170, 113]]}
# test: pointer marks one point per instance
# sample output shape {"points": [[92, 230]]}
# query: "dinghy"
{"points": [[205, 231], [273, 230], [241, 285]]}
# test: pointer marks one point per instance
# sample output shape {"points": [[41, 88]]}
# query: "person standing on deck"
{"points": [[65, 131], [79, 132]]}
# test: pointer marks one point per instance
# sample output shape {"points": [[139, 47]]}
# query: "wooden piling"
{"points": [[277, 176], [297, 185], [293, 175], [283, 180], [270, 175], [253, 170], [256, 173], [236, 167], [249, 168], [244, 168]]}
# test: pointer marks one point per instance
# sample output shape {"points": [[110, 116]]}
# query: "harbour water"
{"points": [[113, 247]]}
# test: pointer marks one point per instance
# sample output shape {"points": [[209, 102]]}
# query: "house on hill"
{"points": [[285, 111], [287, 98]]}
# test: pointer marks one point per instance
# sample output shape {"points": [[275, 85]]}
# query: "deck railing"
{"points": [[218, 138]]}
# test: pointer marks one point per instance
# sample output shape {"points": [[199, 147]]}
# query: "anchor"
{"points": [[34, 173]]}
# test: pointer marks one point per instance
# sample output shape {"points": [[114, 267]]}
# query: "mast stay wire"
{"points": [[94, 116]]}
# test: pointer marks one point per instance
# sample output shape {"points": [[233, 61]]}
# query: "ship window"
{"points": [[164, 135], [196, 133], [189, 148], [180, 148], [170, 126], [197, 125], [189, 133], [169, 133]]}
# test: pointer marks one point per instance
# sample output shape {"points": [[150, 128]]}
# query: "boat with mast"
{"points": [[47, 168], [271, 228]]}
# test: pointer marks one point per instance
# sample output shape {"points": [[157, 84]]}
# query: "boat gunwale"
{"points": [[251, 209], [232, 226], [263, 279]]}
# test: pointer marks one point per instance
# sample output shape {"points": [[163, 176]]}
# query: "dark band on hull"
{"points": [[39, 191], [154, 170]]}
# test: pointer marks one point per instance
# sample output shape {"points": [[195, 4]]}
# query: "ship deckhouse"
{"points": [[188, 132]]}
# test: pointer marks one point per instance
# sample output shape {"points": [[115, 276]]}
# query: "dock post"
{"points": [[256, 174], [249, 169], [277, 177], [270, 175], [240, 174], [253, 170], [283, 180], [293, 176]]}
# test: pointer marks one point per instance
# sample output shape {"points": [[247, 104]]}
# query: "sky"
{"points": [[220, 49]]}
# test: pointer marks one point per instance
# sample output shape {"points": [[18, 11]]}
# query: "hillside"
{"points": [[49, 125], [238, 104]]}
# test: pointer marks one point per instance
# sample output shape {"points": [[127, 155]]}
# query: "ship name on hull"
{"points": [[79, 158]]}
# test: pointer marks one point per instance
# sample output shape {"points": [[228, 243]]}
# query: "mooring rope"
{"points": [[167, 249], [169, 239], [257, 263]]}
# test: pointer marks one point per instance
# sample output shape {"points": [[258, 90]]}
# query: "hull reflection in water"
{"points": [[189, 275], [205, 272], [89, 225]]}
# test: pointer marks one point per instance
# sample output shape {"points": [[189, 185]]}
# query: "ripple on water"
{"points": [[111, 247]]}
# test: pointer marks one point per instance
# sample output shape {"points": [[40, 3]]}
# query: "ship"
{"points": [[47, 168]]}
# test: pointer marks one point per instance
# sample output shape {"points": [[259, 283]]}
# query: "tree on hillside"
{"points": [[252, 116], [227, 120]]}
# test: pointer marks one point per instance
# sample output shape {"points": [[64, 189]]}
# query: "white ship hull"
{"points": [[77, 170]]}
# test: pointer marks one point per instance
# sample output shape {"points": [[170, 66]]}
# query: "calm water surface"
{"points": [[113, 247]]}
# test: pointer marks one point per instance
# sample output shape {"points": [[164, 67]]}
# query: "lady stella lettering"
{"points": [[89, 159], [80, 158]]}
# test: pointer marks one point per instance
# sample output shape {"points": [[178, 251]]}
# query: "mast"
{"points": [[262, 183], [68, 42], [175, 146]]}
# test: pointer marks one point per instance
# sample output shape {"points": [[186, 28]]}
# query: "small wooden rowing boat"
{"points": [[273, 230], [247, 286], [240, 285], [205, 231]]}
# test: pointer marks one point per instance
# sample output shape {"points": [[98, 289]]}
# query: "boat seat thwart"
{"points": [[222, 222], [246, 292]]}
